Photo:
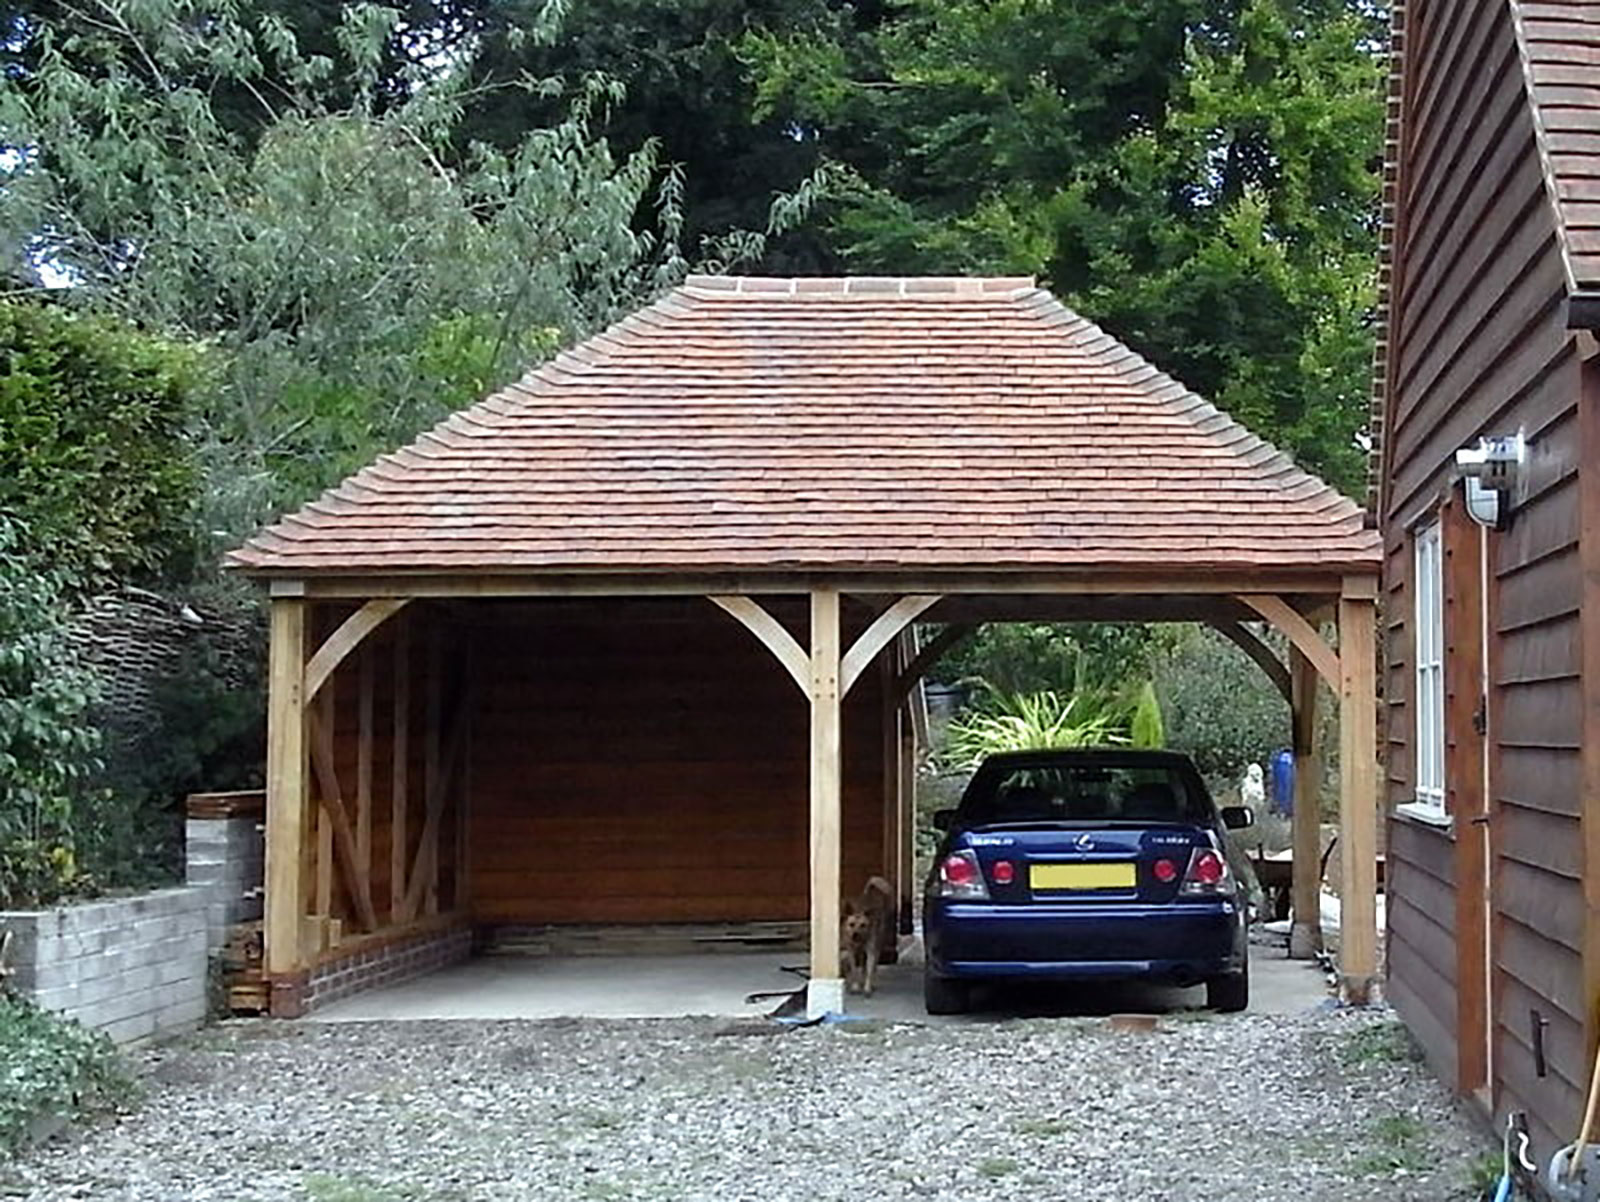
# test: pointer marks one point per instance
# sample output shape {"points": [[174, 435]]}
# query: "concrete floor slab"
{"points": [[677, 986]]}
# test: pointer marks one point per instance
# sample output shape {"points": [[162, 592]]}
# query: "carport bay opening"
{"points": [[830, 460], [656, 758]]}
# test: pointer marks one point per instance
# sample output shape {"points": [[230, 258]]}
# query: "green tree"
{"points": [[686, 89], [357, 276], [1068, 657]]}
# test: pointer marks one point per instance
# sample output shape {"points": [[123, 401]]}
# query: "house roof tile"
{"points": [[1559, 41], [830, 424]]}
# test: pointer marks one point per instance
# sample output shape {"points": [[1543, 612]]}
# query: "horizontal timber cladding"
{"points": [[1477, 344], [1420, 885], [640, 761]]}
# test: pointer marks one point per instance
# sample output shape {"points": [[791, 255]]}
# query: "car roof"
{"points": [[1087, 755]]}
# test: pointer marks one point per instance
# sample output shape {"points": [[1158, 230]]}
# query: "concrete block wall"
{"points": [[226, 859], [133, 967]]}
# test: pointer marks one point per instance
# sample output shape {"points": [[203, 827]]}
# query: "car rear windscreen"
{"points": [[1081, 792]]}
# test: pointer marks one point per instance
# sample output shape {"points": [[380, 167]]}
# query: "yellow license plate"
{"points": [[1082, 876]]}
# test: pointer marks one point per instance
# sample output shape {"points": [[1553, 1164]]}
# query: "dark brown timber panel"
{"points": [[646, 761]]}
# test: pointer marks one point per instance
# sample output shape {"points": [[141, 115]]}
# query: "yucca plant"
{"points": [[1033, 722]]}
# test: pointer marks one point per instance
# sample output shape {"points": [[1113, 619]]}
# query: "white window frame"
{"points": [[1428, 654]]}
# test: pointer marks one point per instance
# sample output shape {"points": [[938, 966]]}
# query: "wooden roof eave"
{"points": [[1323, 582]]}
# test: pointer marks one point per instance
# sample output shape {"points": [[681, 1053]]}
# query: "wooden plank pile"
{"points": [[243, 970]]}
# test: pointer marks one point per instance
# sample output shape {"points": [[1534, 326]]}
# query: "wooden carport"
{"points": [[828, 462]]}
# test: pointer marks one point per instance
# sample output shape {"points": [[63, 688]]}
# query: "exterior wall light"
{"points": [[1495, 474]]}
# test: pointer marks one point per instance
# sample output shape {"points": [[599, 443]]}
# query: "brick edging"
{"points": [[388, 961]]}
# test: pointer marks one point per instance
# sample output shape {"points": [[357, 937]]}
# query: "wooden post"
{"points": [[364, 764], [323, 733], [1358, 800], [400, 771], [1305, 937], [825, 991], [889, 766], [460, 895], [286, 787], [430, 760], [908, 819], [1465, 782]]}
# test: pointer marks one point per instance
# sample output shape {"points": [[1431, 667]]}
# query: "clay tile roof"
{"points": [[860, 423], [1559, 43]]}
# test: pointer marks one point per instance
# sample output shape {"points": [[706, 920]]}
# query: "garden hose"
{"points": [[1516, 1130]]}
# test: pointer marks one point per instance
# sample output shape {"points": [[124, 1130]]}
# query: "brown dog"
{"points": [[866, 921]]}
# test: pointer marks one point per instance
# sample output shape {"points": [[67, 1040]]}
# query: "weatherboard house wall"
{"points": [[1492, 272]]}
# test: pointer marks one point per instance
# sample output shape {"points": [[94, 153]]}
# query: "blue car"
{"points": [[1085, 864]]}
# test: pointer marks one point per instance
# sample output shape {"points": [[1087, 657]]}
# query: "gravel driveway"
{"points": [[1324, 1106]]}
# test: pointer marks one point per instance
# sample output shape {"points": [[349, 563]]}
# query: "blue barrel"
{"points": [[1283, 781]]}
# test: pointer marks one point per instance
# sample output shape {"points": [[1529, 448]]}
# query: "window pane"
{"points": [[1428, 651]]}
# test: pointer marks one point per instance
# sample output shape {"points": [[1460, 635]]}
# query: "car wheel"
{"points": [[941, 995], [1229, 994]]}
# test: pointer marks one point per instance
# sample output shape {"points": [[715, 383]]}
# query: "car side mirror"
{"points": [[1236, 818], [943, 819]]}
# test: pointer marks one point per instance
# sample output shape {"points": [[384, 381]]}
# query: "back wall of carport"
{"points": [[642, 761]]}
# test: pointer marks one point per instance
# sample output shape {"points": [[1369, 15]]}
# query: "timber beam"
{"points": [[1358, 797], [1305, 936]]}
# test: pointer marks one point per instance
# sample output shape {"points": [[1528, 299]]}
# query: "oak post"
{"points": [[825, 991], [364, 765], [400, 772], [430, 760], [1305, 937], [1358, 802], [908, 818], [889, 766], [286, 785], [320, 735]]}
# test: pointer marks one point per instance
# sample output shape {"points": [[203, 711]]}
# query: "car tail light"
{"points": [[1208, 874], [1003, 872], [1165, 871], [961, 878]]}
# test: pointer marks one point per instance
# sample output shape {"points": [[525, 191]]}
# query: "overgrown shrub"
{"points": [[95, 457], [47, 743], [52, 1068], [1219, 708]]}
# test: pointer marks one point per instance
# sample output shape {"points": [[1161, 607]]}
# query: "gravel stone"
{"points": [[1330, 1106]]}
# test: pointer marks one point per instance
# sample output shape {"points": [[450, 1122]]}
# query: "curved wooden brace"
{"points": [[929, 655], [1244, 639], [772, 633], [876, 637], [346, 639], [1299, 631]]}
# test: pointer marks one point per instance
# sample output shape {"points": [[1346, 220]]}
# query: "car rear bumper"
{"points": [[1182, 942]]}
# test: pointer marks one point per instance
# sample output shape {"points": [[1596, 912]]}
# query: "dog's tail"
{"points": [[877, 885]]}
